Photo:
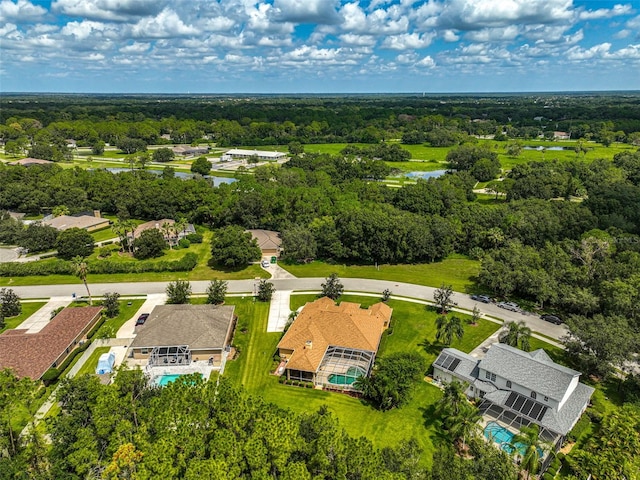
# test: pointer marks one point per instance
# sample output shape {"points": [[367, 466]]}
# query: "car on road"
{"points": [[511, 306], [551, 318], [141, 319], [481, 298], [265, 264]]}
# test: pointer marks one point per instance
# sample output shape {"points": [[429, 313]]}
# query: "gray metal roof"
{"points": [[532, 370], [198, 326]]}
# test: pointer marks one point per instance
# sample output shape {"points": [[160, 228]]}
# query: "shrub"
{"points": [[195, 237], [97, 326], [184, 243], [50, 376]]}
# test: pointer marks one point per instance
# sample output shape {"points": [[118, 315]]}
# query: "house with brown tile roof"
{"points": [[166, 227], [332, 345], [27, 162], [32, 354]]}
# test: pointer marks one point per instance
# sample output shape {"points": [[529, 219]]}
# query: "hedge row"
{"points": [[61, 267], [53, 373]]}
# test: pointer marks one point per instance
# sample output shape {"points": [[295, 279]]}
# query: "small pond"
{"points": [[540, 148], [216, 180], [425, 175]]}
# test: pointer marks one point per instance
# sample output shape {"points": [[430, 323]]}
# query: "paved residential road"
{"points": [[298, 284]]}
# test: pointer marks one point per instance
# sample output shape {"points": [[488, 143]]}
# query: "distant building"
{"points": [[269, 241], [561, 136], [32, 354], [28, 162], [85, 222], [188, 151], [239, 154], [172, 236]]}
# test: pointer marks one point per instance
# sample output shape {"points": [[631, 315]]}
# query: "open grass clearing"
{"points": [[90, 365], [110, 327], [103, 234], [456, 270], [413, 329], [28, 309]]}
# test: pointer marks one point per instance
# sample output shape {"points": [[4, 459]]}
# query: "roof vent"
{"points": [[308, 344]]}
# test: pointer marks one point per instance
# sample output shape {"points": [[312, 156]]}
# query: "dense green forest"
{"points": [[38, 122]]}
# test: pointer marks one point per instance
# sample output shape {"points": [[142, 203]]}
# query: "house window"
{"points": [[144, 351], [533, 395], [508, 383], [487, 375], [481, 394], [493, 377], [546, 399]]}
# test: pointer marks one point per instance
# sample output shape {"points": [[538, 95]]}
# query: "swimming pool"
{"points": [[350, 376], [164, 380], [504, 438]]}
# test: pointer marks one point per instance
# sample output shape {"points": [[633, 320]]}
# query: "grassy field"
{"points": [[456, 270], [28, 309], [202, 271], [111, 326], [413, 329], [103, 234], [92, 362]]}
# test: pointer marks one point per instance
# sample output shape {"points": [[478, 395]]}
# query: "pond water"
{"points": [[425, 175], [540, 148], [216, 180]]}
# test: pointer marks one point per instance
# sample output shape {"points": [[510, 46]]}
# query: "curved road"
{"points": [[299, 284]]}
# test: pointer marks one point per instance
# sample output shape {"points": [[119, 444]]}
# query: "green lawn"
{"points": [[111, 326], [413, 329], [92, 362], [202, 271], [456, 270], [103, 234], [28, 309]]}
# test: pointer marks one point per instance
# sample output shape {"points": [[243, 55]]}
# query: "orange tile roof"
{"points": [[323, 323], [32, 354]]}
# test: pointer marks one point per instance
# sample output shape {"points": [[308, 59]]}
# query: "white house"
{"points": [[239, 154], [519, 388]]}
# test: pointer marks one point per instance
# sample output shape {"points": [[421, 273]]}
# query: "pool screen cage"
{"points": [[510, 419], [174, 355], [347, 364]]}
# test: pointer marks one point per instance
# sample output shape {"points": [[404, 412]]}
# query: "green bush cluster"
{"points": [[580, 428], [95, 328], [61, 267], [195, 237], [54, 373]]}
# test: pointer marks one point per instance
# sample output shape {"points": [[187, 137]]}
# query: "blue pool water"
{"points": [[504, 438], [166, 379], [350, 376]]}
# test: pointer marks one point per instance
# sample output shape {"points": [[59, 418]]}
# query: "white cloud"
{"points": [[622, 34], [597, 51], [426, 62], [113, 10], [7, 29], [82, 30], [634, 23], [407, 58], [378, 22], [617, 10], [22, 11], [407, 41], [499, 34], [166, 24], [358, 40], [450, 36], [321, 12], [135, 48]]}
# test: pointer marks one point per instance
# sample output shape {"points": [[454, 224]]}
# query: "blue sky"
{"points": [[318, 46]]}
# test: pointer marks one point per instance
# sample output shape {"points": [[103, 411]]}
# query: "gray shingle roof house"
{"points": [[526, 385], [202, 332]]}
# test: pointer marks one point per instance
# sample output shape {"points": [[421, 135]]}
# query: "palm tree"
{"points": [[180, 226], [166, 228], [528, 440], [448, 327], [454, 398], [517, 335], [81, 270], [118, 228], [464, 424]]}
